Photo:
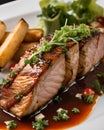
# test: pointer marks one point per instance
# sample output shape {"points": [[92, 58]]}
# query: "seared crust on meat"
{"points": [[29, 78], [47, 87]]}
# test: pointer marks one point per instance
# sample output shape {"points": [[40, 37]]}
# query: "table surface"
{"points": [[5, 1]]}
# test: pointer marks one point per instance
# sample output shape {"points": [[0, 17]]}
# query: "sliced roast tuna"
{"points": [[87, 51], [100, 49], [72, 62], [43, 70], [35, 85]]}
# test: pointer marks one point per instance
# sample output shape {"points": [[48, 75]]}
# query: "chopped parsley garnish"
{"points": [[95, 30], [4, 82], [12, 73], [89, 98], [18, 97], [101, 75], [97, 87], [75, 33], [99, 84], [62, 114], [88, 95], [33, 59], [57, 99], [75, 110], [11, 124], [40, 124]]}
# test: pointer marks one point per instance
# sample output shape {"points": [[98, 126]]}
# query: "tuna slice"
{"points": [[47, 87], [91, 52], [34, 86], [87, 51], [72, 61], [100, 49]]}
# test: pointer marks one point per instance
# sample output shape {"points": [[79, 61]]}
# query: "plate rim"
{"points": [[89, 123]]}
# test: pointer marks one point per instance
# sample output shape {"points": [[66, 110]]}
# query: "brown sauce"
{"points": [[68, 102]]}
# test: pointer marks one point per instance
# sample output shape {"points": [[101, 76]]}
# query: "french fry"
{"points": [[32, 35], [12, 42], [2, 29], [23, 47]]}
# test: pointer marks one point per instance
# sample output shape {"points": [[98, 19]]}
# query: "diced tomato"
{"points": [[88, 91], [12, 65]]}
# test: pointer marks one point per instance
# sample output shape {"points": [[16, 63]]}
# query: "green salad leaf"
{"points": [[55, 13], [51, 8], [97, 9]]}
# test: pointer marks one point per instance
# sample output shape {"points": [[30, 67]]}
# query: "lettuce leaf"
{"points": [[55, 13], [97, 9]]}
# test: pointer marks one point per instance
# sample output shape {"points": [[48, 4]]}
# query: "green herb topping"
{"points": [[95, 30], [60, 38], [11, 124], [88, 95], [32, 60], [4, 81], [62, 114], [18, 97], [57, 99], [40, 124], [89, 99], [99, 84], [75, 110], [12, 73]]}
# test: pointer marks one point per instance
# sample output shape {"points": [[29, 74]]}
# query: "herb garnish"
{"points": [[60, 38], [75, 110], [33, 59], [18, 96], [11, 124], [99, 84], [62, 114], [40, 124], [88, 95], [12, 73], [95, 30], [57, 99], [4, 82], [89, 99]]}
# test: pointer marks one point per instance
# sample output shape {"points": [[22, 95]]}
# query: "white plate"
{"points": [[11, 13]]}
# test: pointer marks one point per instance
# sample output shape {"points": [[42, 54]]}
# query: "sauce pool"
{"points": [[69, 101]]}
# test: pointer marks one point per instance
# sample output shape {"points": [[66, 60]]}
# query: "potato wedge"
{"points": [[33, 35], [23, 47], [4, 37], [2, 29], [12, 42]]}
